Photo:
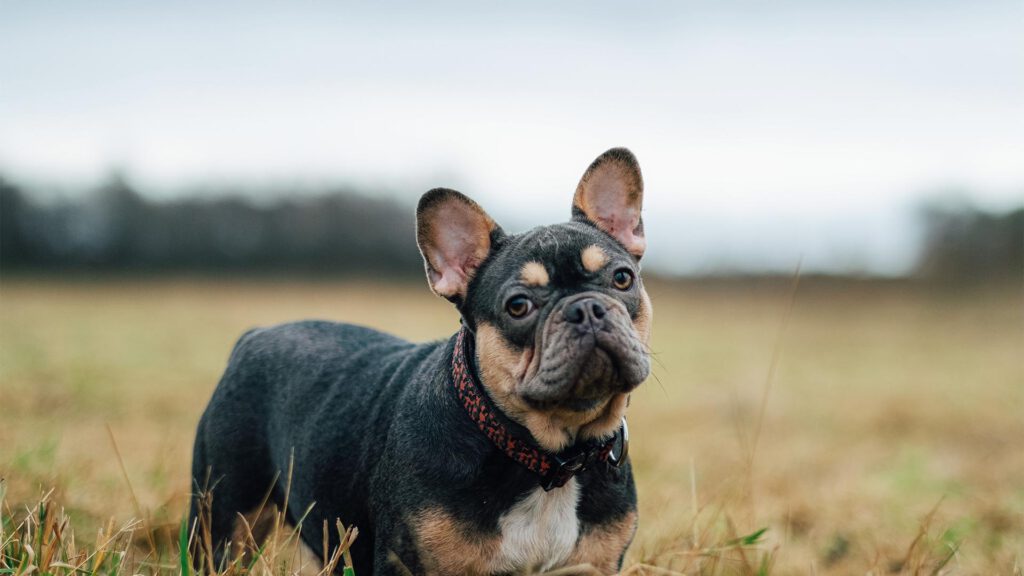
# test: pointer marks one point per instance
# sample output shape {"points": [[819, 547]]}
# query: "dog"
{"points": [[501, 450]]}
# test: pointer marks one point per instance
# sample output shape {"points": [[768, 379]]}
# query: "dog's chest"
{"points": [[539, 531]]}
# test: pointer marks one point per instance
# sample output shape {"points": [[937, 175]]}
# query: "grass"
{"points": [[887, 440]]}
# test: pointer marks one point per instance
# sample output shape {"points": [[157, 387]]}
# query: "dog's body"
{"points": [[391, 436]]}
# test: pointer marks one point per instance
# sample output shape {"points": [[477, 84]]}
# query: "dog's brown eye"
{"points": [[622, 279], [518, 306]]}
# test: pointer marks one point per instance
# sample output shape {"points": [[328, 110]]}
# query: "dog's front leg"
{"points": [[395, 553], [434, 542]]}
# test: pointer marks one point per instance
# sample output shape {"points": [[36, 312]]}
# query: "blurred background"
{"points": [[205, 135], [173, 173]]}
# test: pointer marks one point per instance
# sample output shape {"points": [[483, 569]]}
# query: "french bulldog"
{"points": [[501, 450]]}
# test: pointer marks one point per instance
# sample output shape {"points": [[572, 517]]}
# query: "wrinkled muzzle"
{"points": [[588, 350]]}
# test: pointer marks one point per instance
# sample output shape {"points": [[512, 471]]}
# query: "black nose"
{"points": [[587, 311]]}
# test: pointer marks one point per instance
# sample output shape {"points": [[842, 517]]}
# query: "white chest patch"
{"points": [[539, 532]]}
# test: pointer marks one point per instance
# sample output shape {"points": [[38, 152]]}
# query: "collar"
{"points": [[554, 470]]}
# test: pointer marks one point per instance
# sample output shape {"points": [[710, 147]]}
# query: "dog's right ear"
{"points": [[454, 235]]}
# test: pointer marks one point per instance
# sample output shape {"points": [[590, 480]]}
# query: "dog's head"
{"points": [[560, 313]]}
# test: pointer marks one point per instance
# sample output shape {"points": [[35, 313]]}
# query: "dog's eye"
{"points": [[622, 279], [518, 306]]}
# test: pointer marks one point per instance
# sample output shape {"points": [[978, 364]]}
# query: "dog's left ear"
{"points": [[610, 195], [454, 235]]}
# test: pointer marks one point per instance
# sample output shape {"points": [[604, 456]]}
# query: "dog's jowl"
{"points": [[500, 450]]}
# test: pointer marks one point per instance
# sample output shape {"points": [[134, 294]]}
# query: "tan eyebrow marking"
{"points": [[594, 258], [534, 274]]}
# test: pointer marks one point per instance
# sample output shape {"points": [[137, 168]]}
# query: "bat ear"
{"points": [[610, 196], [454, 235]]}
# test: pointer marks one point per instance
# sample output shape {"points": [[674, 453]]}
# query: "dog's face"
{"points": [[560, 315]]}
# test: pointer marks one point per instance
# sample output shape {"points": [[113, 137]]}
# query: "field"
{"points": [[873, 428]]}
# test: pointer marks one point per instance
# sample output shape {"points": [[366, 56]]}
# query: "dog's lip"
{"points": [[574, 403]]}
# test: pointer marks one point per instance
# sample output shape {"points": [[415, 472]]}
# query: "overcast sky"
{"points": [[767, 131]]}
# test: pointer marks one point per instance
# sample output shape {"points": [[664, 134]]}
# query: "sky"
{"points": [[769, 132]]}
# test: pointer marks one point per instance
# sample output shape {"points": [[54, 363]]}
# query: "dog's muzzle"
{"points": [[589, 350]]}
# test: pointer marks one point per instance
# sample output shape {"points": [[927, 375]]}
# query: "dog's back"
{"points": [[283, 384]]}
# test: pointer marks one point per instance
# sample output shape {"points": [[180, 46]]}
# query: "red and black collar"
{"points": [[554, 470]]}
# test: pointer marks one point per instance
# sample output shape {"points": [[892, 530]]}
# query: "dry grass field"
{"points": [[892, 437]]}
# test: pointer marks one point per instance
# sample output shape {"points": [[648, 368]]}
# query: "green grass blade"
{"points": [[186, 563], [749, 539]]}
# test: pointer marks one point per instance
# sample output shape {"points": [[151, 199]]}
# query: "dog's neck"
{"points": [[553, 470], [553, 429]]}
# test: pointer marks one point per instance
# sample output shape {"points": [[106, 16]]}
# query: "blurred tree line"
{"points": [[342, 232], [964, 244], [114, 228]]}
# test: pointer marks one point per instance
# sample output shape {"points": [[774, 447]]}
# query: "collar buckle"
{"points": [[565, 469]]}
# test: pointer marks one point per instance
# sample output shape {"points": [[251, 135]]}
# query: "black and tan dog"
{"points": [[500, 450]]}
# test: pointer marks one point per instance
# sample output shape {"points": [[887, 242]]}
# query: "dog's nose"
{"points": [[587, 311]]}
